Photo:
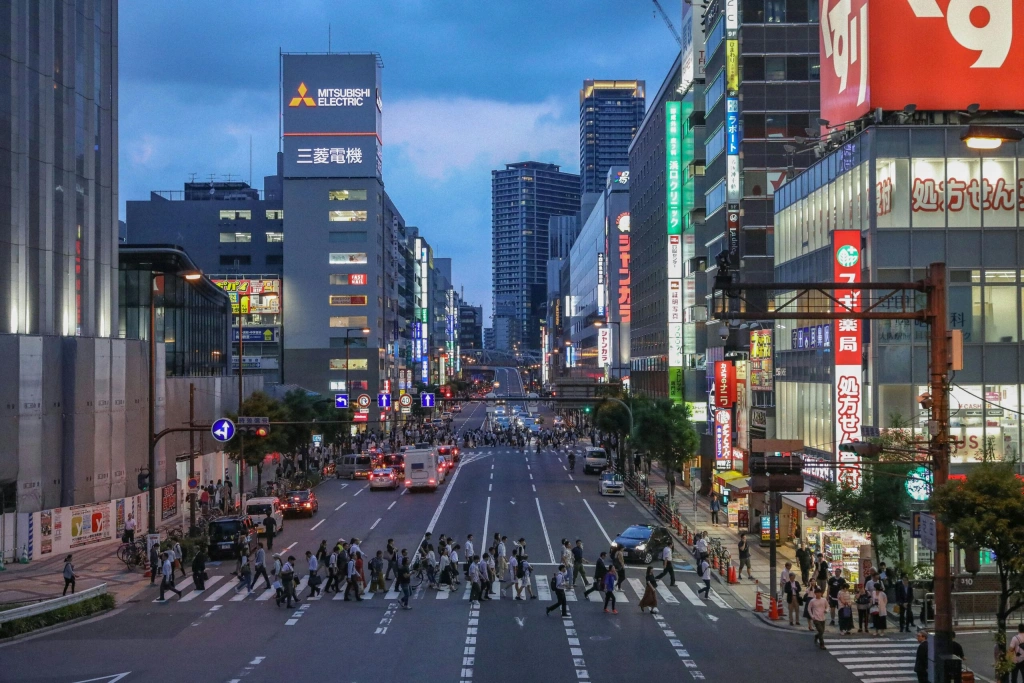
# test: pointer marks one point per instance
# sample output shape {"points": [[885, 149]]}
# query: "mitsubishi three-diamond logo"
{"points": [[302, 99]]}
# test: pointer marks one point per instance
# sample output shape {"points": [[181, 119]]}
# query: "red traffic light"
{"points": [[262, 432], [812, 506]]}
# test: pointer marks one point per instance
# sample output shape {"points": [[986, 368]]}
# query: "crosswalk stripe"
{"points": [[393, 592], [219, 593], [717, 599], [620, 596], [889, 679], [690, 595], [570, 596], [543, 590], [195, 594], [240, 595], [443, 594], [637, 586], [857, 660], [266, 595], [595, 597], [665, 593]]}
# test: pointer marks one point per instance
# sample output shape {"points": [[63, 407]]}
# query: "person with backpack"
{"points": [[167, 583], [69, 576], [526, 569], [1016, 648], [607, 582], [600, 570], [705, 575], [557, 583], [288, 583], [513, 574], [333, 575]]}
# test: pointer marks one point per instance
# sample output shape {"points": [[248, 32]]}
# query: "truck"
{"points": [[421, 469]]}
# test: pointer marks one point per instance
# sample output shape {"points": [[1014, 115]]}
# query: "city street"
{"points": [[223, 636]]}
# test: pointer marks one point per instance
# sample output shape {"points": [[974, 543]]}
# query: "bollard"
{"points": [[732, 574], [758, 604]]}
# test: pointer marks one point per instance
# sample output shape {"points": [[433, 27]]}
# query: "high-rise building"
{"points": [[523, 197], [58, 190], [610, 114], [471, 320], [562, 232]]}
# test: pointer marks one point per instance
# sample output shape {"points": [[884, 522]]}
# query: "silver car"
{"points": [[383, 478]]}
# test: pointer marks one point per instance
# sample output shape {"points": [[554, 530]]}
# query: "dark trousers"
{"points": [[332, 580], [199, 579], [706, 588], [714, 516], [352, 585], [168, 585], [475, 591], [862, 620], [670, 570], [906, 616], [579, 571], [621, 571], [69, 582], [1018, 669], [312, 590], [560, 594], [392, 567], [261, 570], [609, 596], [595, 585], [805, 575]]}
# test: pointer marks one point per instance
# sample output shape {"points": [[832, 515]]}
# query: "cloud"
{"points": [[441, 136]]}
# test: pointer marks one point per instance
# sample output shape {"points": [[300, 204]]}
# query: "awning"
{"points": [[741, 486], [799, 500], [723, 478]]}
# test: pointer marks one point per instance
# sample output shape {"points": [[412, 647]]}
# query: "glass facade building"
{"points": [[918, 195], [610, 114], [193, 318]]}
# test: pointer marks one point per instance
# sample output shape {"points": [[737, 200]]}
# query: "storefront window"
{"points": [[999, 185], [965, 308], [983, 420], [1001, 314], [891, 193], [963, 193], [927, 196]]}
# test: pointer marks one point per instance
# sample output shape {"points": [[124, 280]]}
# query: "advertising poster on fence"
{"points": [[46, 532], [169, 501], [89, 524]]}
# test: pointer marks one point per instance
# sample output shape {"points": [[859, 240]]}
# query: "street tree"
{"points": [[612, 417], [664, 432], [987, 511], [251, 451]]}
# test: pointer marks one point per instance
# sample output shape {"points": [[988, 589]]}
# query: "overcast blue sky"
{"points": [[467, 86]]}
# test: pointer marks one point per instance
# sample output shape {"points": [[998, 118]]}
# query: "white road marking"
{"points": [[376, 523], [219, 593], [489, 486], [578, 489], [531, 476], [392, 504], [340, 506], [358, 492], [690, 595], [318, 524], [534, 487], [195, 594], [547, 539], [570, 478], [666, 594], [294, 543], [487, 517], [599, 526]]}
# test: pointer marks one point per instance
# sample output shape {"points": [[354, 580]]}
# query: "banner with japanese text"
{"points": [[848, 375]]}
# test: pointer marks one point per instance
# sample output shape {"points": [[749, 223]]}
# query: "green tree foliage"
{"points": [[663, 431], [611, 417], [252, 450], [987, 511], [876, 507]]}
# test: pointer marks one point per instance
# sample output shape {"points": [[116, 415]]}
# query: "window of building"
{"points": [[754, 183], [275, 214], [753, 125], [347, 300], [344, 321], [346, 195], [715, 144], [774, 68], [275, 259], [348, 364], [814, 68], [348, 236], [753, 69], [347, 216], [231, 237], [353, 342], [753, 11], [796, 68], [342, 259], [235, 215], [775, 125], [235, 260], [275, 237], [775, 11], [337, 386]]}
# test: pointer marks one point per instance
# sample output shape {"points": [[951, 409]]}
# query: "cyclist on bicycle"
{"points": [[572, 462]]}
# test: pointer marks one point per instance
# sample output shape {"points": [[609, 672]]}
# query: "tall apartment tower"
{"points": [[610, 114], [523, 197], [58, 152]]}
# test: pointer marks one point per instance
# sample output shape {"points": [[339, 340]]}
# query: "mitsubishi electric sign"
{"points": [[940, 55], [331, 109]]}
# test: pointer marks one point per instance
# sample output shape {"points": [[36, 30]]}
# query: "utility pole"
{"points": [[241, 434], [191, 455], [938, 428]]}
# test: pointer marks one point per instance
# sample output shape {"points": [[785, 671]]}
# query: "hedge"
{"points": [[17, 627]]}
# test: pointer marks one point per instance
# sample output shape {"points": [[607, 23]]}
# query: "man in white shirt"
{"points": [[469, 552], [168, 577], [453, 556], [513, 583], [702, 547], [313, 567], [485, 577], [473, 572], [261, 568], [559, 587], [352, 579], [666, 558], [129, 529], [705, 575], [333, 577], [786, 573]]}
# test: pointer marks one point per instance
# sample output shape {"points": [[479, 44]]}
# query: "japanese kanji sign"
{"points": [[848, 377]]}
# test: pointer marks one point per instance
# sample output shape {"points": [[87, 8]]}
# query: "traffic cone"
{"points": [[758, 604], [714, 561], [773, 610], [689, 537], [721, 568], [732, 574]]}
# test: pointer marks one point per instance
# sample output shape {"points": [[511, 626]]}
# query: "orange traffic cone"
{"points": [[732, 574], [773, 610], [758, 605], [714, 561], [689, 537]]}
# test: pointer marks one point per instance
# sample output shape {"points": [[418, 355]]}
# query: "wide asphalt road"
{"points": [[223, 636]]}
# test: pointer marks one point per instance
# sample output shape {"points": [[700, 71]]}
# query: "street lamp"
{"points": [[989, 137], [190, 276]]}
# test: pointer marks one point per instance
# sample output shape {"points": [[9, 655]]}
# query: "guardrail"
{"points": [[50, 605]]}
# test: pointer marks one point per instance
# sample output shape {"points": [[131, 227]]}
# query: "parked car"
{"points": [[642, 542], [228, 535], [302, 502], [611, 484], [383, 478], [259, 508]]}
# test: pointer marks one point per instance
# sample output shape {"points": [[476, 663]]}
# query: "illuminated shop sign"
{"points": [[604, 347], [252, 296], [725, 384], [761, 373], [848, 376]]}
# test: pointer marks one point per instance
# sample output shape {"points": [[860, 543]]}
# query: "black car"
{"points": [[229, 534], [642, 542]]}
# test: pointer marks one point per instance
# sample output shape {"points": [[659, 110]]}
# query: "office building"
{"points": [[523, 197], [610, 114], [471, 320], [562, 232]]}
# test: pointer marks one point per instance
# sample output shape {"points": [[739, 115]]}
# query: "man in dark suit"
{"points": [[905, 599]]}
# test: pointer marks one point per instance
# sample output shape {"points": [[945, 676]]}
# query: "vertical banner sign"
{"points": [[732, 66], [674, 213], [725, 384], [847, 350], [604, 347], [723, 439]]}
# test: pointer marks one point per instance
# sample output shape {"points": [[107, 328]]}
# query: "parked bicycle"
{"points": [[133, 554]]}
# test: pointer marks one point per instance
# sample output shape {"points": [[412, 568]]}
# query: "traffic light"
{"points": [[586, 409], [143, 481], [812, 506], [776, 473], [263, 432], [862, 448], [258, 431]]}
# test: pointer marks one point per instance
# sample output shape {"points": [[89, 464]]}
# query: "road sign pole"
{"points": [[191, 458]]}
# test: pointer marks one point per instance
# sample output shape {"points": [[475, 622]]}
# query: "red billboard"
{"points": [[725, 384], [849, 392], [939, 55]]}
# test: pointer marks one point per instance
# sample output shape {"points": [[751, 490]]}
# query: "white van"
{"points": [[594, 460], [257, 509], [421, 469]]}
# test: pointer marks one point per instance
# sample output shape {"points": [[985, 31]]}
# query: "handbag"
{"points": [[874, 609], [846, 612]]}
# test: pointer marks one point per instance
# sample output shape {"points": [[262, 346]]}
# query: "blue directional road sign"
{"points": [[341, 401], [426, 400], [383, 400], [223, 429]]}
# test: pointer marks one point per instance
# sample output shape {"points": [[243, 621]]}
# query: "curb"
{"points": [[64, 624]]}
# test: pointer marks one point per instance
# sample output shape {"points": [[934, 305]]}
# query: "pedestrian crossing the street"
{"points": [[225, 588], [876, 660]]}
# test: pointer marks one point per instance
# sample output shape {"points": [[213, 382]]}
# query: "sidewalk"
{"points": [[745, 589], [43, 579]]}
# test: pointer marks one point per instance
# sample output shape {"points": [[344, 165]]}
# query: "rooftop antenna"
{"points": [[212, 177], [192, 177], [250, 161], [328, 39]]}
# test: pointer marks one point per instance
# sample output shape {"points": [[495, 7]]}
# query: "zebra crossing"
{"points": [[874, 660], [225, 588]]}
